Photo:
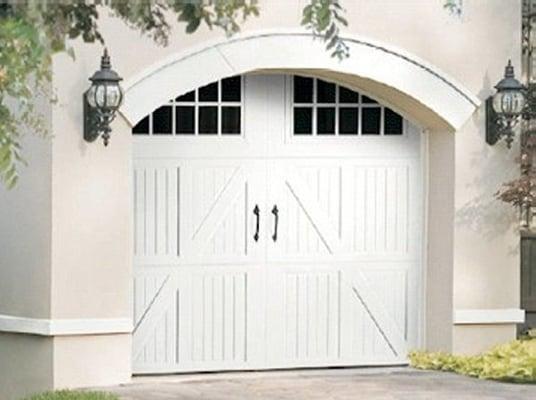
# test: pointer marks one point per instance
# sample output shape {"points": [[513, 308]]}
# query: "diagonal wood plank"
{"points": [[218, 211], [379, 315], [312, 209], [153, 313]]}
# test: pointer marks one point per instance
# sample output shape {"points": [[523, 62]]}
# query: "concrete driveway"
{"points": [[339, 384]]}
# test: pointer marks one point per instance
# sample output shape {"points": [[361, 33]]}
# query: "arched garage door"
{"points": [[278, 224]]}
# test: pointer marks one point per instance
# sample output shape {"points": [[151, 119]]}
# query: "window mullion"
{"points": [[219, 110], [196, 113], [359, 116], [314, 106], [336, 128]]}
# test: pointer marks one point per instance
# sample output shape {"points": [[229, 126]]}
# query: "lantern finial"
{"points": [[509, 70], [105, 60]]}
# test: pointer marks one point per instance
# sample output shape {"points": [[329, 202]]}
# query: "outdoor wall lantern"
{"points": [[101, 101], [504, 108]]}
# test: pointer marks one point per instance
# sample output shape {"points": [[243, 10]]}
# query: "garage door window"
{"points": [[326, 109], [214, 109]]}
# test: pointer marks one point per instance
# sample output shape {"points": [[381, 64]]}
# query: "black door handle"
{"points": [[275, 211], [257, 212]]}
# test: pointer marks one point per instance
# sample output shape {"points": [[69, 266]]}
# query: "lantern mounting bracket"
{"points": [[492, 127], [91, 121]]}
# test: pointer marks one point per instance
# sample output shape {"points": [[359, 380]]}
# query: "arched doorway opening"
{"points": [[283, 226]]}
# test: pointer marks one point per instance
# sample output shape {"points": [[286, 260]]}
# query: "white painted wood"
{"points": [[338, 287], [489, 316], [64, 327]]}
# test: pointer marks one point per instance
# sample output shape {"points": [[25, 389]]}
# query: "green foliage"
{"points": [[454, 7], [323, 18], [24, 67], [73, 395], [32, 31], [511, 362]]}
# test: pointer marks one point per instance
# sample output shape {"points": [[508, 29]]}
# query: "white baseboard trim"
{"points": [[64, 327], [489, 316]]}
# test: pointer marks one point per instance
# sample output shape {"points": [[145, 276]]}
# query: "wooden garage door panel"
{"points": [[219, 199], [323, 315], [202, 318], [157, 216], [345, 209], [338, 287], [195, 211]]}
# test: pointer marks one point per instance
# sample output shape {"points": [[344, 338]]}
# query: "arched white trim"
{"points": [[296, 50]]}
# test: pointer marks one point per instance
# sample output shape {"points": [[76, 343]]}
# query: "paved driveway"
{"points": [[339, 384]]}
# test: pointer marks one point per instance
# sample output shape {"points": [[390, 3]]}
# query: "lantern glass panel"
{"points": [[508, 102], [90, 96], [113, 96], [100, 96]]}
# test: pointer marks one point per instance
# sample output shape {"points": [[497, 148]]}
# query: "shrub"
{"points": [[511, 362], [73, 395]]}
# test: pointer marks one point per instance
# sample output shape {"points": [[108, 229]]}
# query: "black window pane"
{"points": [[142, 127], [230, 89], [325, 92], [347, 95], [185, 120], [209, 92], [325, 120], [230, 120], [371, 121], [393, 123], [303, 117], [190, 96], [348, 119], [208, 120], [366, 99], [162, 121], [303, 90]]}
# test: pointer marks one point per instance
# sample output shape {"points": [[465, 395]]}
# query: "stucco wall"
{"points": [[486, 255], [467, 48], [439, 274], [76, 358], [26, 230], [91, 250], [474, 339], [25, 365]]}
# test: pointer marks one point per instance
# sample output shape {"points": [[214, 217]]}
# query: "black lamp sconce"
{"points": [[512, 102], [101, 101]]}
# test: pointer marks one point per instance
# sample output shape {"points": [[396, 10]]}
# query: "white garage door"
{"points": [[278, 224]]}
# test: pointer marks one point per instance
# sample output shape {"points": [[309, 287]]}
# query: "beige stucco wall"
{"points": [[82, 361], [486, 244], [91, 252], [26, 365], [26, 229], [79, 261], [486, 256], [474, 339], [439, 251]]}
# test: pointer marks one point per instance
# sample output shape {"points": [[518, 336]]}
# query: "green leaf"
{"points": [[512, 362], [193, 25], [330, 33], [332, 43]]}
